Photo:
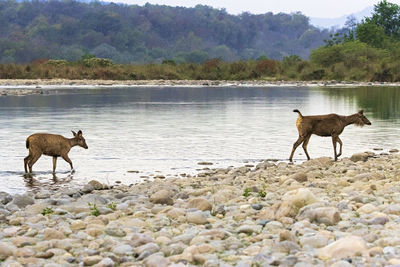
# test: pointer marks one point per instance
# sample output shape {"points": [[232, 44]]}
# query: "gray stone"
{"points": [[359, 157], [5, 197], [196, 217], [22, 200], [162, 197], [113, 231], [249, 229], [123, 249], [156, 260]]}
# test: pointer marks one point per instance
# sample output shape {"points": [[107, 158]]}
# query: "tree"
{"points": [[387, 16]]}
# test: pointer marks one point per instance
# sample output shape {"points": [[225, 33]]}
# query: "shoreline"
{"points": [[316, 213], [37, 86]]}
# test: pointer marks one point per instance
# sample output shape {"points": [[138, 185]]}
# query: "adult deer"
{"points": [[325, 125], [52, 145]]}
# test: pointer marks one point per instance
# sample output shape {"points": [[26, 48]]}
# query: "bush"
{"points": [[97, 62]]}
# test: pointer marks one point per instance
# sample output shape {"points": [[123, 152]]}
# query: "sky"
{"points": [[310, 8]]}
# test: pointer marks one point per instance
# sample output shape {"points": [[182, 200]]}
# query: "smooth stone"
{"points": [[106, 262], [249, 229], [138, 239], [123, 250], [51, 233], [162, 197], [293, 201], [156, 260], [22, 200], [5, 198], [359, 157], [325, 215], [315, 241], [299, 177], [200, 204], [6, 250], [196, 217], [344, 247], [92, 260], [113, 231], [96, 185], [257, 206]]}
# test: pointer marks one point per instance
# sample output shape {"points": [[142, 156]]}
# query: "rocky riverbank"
{"points": [[319, 213], [40, 86]]}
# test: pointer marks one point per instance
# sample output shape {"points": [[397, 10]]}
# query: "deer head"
{"points": [[80, 140]]}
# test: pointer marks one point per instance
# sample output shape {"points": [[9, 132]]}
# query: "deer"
{"points": [[52, 145], [325, 125]]}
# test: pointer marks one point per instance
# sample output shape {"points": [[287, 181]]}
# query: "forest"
{"points": [[132, 34], [213, 49]]}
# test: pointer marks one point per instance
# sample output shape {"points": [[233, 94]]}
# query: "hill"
{"points": [[69, 29]]}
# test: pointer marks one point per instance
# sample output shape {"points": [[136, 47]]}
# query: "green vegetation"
{"points": [[368, 51], [112, 206], [58, 29], [47, 211], [247, 191], [93, 209]]}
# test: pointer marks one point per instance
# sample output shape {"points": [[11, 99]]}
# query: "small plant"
{"points": [[262, 193], [93, 209], [112, 206], [247, 191], [47, 211]]}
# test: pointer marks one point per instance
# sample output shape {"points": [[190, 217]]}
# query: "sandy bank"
{"points": [[22, 87]]}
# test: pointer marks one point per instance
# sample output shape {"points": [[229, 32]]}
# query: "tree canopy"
{"points": [[68, 29]]}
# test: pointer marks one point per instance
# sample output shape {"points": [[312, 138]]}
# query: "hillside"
{"points": [[32, 30]]}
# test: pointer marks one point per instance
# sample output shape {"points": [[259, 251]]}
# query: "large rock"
{"points": [[6, 250], [199, 203], [5, 197], [293, 201], [156, 260], [359, 157], [162, 197], [319, 162], [196, 217], [22, 200], [343, 248], [299, 177], [325, 215]]}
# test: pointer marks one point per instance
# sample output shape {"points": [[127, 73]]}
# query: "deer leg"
{"points": [[334, 140], [295, 145], [305, 143], [33, 161], [67, 159], [26, 160], [341, 144], [54, 164]]}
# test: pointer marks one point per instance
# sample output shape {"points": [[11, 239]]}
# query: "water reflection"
{"points": [[381, 102]]}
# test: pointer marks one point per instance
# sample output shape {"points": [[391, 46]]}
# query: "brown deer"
{"points": [[52, 145], [325, 125]]}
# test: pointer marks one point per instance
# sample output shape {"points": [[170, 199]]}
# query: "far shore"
{"points": [[39, 86]]}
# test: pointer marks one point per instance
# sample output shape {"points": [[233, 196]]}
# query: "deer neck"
{"points": [[350, 119], [73, 142]]}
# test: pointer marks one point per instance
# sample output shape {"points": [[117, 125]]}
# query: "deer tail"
{"points": [[27, 143], [296, 110]]}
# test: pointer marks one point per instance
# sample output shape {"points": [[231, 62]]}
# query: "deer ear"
{"points": [[361, 111], [74, 133], [79, 133]]}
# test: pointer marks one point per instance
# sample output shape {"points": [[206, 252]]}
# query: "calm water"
{"points": [[167, 131]]}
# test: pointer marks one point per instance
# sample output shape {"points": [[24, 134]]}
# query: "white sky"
{"points": [[310, 8]]}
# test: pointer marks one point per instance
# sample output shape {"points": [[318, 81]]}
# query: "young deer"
{"points": [[51, 145], [325, 125]]}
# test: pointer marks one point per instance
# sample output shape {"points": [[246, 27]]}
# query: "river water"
{"points": [[140, 132]]}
